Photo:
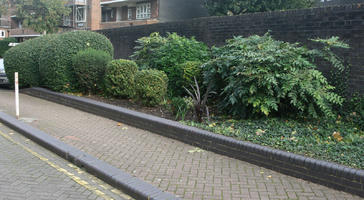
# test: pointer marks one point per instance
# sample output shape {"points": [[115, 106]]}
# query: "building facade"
{"points": [[105, 14]]}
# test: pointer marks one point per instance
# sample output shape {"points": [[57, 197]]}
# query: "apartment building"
{"points": [[105, 14]]}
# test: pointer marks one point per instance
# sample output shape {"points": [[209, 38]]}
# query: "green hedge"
{"points": [[89, 66], [56, 57], [24, 58], [4, 45], [151, 86], [119, 78], [167, 54]]}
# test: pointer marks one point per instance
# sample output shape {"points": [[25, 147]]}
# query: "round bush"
{"points": [[24, 58], [89, 66], [56, 57], [150, 86], [119, 78], [4, 45]]}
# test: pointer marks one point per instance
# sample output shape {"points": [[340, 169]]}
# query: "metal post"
{"points": [[16, 95]]}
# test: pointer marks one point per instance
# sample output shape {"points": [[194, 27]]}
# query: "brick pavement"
{"points": [[165, 163], [28, 171]]}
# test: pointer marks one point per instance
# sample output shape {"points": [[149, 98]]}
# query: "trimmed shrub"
{"points": [[119, 78], [4, 45], [56, 57], [167, 53], [24, 58], [150, 86], [259, 75], [89, 66]]}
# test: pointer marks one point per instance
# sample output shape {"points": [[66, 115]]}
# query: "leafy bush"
{"points": [[150, 86], [260, 75], [4, 45], [89, 66], [167, 54], [339, 73], [24, 58], [182, 76], [119, 78], [56, 57]]}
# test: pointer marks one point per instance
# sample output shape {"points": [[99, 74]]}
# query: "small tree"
{"points": [[41, 15], [238, 7]]}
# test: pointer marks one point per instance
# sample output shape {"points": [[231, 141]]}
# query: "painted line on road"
{"points": [[77, 179]]}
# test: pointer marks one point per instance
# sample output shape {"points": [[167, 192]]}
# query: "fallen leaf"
{"points": [[337, 136], [259, 132], [125, 128], [11, 133], [119, 124], [196, 150], [269, 176]]}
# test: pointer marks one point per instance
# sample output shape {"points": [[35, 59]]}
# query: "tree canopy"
{"points": [[238, 7], [39, 15]]}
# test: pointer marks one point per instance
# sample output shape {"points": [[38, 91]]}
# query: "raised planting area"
{"points": [[338, 141]]}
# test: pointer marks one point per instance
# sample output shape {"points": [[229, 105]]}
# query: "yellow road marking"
{"points": [[60, 169]]}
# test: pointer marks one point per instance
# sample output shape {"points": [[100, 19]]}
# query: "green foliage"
{"points": [[56, 57], [167, 54], [24, 58], [150, 86], [41, 15], [4, 45], [181, 106], [119, 78], [89, 66], [336, 141], [238, 7], [339, 73], [4, 7], [352, 110], [190, 69], [260, 75]]}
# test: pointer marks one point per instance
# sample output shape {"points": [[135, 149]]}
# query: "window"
{"points": [[2, 34], [143, 11], [67, 20], [80, 14], [130, 14]]}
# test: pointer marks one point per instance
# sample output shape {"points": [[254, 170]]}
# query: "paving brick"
{"points": [[24, 176], [163, 162]]}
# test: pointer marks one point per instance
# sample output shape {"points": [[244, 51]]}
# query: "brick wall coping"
{"points": [[322, 172]]}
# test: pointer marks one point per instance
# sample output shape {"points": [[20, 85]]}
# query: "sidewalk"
{"points": [[30, 172], [172, 166]]}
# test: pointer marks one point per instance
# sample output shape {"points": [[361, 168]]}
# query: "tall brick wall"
{"points": [[345, 21]]}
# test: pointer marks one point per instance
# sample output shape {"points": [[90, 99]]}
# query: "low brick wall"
{"points": [[346, 21], [322, 172]]}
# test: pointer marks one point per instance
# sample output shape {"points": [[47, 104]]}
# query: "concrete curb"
{"points": [[112, 175], [325, 173]]}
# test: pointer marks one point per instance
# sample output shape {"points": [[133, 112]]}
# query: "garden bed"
{"points": [[339, 141]]}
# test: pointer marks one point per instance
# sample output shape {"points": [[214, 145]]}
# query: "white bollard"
{"points": [[16, 94]]}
